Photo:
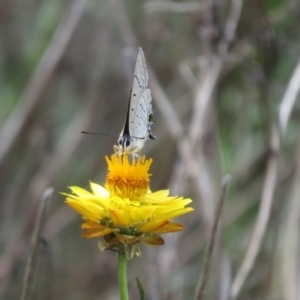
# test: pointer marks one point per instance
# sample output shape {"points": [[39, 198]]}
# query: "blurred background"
{"points": [[224, 77]]}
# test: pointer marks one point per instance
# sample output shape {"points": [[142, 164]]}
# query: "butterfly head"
{"points": [[129, 145], [124, 141]]}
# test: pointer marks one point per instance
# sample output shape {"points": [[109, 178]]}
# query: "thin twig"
{"points": [[290, 260], [202, 101], [188, 75], [199, 291], [212, 73], [174, 7], [38, 229], [263, 217], [41, 78], [289, 98]]}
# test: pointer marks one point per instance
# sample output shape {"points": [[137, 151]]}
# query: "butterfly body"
{"points": [[137, 127]]}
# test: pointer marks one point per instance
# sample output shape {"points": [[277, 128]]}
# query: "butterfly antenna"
{"points": [[98, 133]]}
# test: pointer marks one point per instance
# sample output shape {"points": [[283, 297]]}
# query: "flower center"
{"points": [[128, 179], [132, 188]]}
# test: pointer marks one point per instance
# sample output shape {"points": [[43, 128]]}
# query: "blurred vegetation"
{"points": [[67, 66]]}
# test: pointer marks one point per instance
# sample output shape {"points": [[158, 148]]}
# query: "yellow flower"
{"points": [[126, 212]]}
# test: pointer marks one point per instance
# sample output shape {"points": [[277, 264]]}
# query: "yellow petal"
{"points": [[172, 206], [119, 217], [162, 194], [117, 201], [96, 233], [88, 210], [154, 240], [92, 225], [140, 214], [170, 227], [80, 192], [152, 225], [99, 191], [173, 214]]}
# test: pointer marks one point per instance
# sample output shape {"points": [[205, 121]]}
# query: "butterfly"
{"points": [[138, 124]]}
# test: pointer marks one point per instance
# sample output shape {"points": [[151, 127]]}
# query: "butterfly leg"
{"points": [[118, 150]]}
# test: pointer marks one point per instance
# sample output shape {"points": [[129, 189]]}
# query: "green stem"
{"points": [[123, 276]]}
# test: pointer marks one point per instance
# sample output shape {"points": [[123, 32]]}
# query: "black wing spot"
{"points": [[142, 107], [132, 109], [138, 81], [134, 95]]}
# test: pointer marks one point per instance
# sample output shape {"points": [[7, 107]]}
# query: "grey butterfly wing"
{"points": [[139, 124], [140, 100], [137, 127], [140, 76]]}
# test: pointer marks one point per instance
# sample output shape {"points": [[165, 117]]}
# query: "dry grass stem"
{"points": [[262, 218], [290, 261], [200, 288], [174, 7], [289, 98], [212, 73], [37, 232]]}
